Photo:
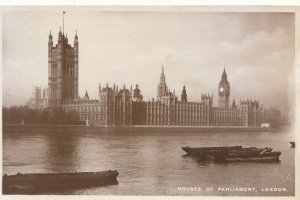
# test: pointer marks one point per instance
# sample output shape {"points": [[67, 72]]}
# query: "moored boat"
{"points": [[53, 182], [233, 153]]}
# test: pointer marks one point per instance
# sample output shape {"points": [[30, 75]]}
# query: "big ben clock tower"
{"points": [[224, 91]]}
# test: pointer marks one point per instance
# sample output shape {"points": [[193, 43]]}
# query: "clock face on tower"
{"points": [[221, 89]]}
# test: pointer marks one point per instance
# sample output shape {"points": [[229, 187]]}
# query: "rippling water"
{"points": [[152, 162]]}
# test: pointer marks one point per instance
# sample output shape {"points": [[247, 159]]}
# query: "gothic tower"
{"points": [[62, 70], [224, 91], [162, 88], [184, 95]]}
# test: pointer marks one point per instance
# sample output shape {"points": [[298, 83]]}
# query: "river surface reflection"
{"points": [[152, 162]]}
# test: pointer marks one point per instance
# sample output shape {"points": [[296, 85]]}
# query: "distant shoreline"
{"points": [[83, 128]]}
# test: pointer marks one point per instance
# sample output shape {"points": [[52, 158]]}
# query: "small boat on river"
{"points": [[54, 182], [233, 153]]}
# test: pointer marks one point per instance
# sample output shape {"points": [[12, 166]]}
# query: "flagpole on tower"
{"points": [[64, 22]]}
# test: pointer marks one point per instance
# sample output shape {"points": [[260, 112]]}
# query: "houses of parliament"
{"points": [[126, 107]]}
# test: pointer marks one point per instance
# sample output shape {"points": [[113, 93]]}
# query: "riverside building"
{"points": [[126, 106]]}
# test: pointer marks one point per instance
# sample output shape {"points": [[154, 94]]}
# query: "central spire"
{"points": [[162, 76], [162, 88]]}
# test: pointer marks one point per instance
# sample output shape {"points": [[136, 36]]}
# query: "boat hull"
{"points": [[271, 158], [234, 154], [55, 182]]}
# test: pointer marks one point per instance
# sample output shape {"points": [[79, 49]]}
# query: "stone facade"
{"points": [[168, 111], [87, 109], [126, 107], [115, 106], [39, 98]]}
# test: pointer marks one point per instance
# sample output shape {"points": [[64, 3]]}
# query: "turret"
{"points": [[66, 39], [60, 35], [206, 99], [76, 63], [183, 95], [50, 42], [50, 45], [136, 95], [76, 39], [86, 96], [233, 104]]}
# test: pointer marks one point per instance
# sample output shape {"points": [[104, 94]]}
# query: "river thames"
{"points": [[151, 162]]}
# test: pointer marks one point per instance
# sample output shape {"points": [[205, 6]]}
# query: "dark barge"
{"points": [[55, 182], [234, 153]]}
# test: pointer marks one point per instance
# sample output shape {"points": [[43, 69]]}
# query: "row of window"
{"points": [[84, 108], [180, 112], [157, 121], [163, 107]]}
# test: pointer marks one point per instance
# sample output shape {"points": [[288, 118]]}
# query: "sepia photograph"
{"points": [[149, 101]]}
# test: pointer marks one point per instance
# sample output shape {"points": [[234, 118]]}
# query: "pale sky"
{"points": [[257, 50]]}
